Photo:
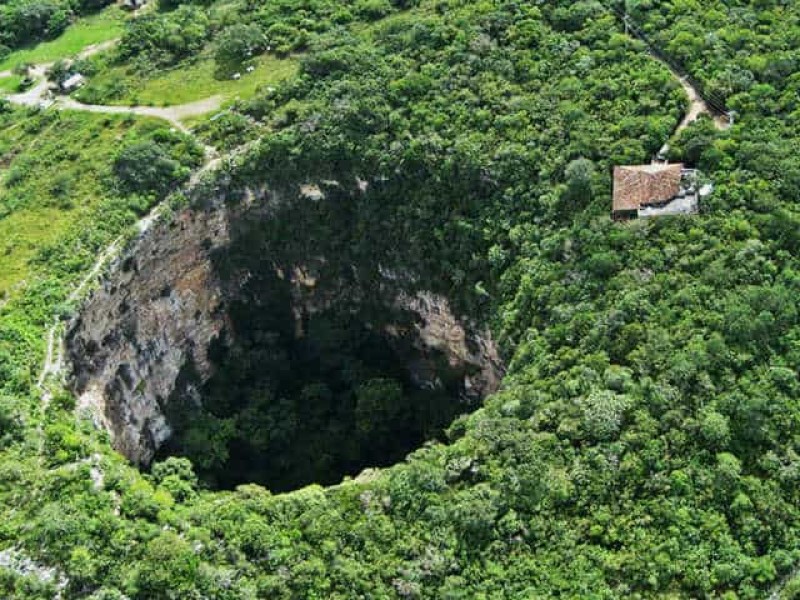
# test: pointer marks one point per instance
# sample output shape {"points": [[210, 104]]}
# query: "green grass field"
{"points": [[52, 171], [190, 82], [9, 85], [198, 81], [101, 27]]}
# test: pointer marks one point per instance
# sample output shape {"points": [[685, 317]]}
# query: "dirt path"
{"points": [[173, 114], [90, 50], [54, 354], [697, 103], [697, 107], [39, 96], [34, 95]]}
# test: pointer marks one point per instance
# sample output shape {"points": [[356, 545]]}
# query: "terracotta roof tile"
{"points": [[639, 185]]}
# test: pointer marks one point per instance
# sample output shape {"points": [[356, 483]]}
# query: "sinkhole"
{"points": [[227, 338], [303, 394]]}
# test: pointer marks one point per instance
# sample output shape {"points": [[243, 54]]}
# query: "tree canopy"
{"points": [[645, 441]]}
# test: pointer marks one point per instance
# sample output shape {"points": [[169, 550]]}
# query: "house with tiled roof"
{"points": [[654, 190]]}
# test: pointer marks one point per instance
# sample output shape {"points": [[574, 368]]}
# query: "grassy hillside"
{"points": [[10, 85], [184, 83], [54, 168], [645, 441], [60, 205], [92, 29]]}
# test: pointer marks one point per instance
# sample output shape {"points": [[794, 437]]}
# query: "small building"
{"points": [[72, 83], [133, 4], [654, 190]]}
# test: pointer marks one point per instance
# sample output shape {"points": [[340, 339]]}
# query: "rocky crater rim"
{"points": [[209, 339]]}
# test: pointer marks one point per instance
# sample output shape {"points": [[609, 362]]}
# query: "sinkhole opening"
{"points": [[307, 391], [277, 342]]}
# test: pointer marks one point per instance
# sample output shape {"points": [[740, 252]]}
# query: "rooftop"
{"points": [[73, 81], [638, 186]]}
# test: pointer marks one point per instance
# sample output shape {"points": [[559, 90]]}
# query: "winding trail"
{"points": [[40, 96], [53, 364], [54, 355], [173, 114], [697, 107], [698, 103]]}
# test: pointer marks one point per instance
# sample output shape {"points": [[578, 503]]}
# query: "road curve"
{"points": [[173, 114], [39, 96]]}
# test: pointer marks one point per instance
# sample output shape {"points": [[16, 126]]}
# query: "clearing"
{"points": [[185, 83], [86, 31]]}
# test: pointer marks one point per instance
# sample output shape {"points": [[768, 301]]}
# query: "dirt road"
{"points": [[40, 96], [697, 107]]}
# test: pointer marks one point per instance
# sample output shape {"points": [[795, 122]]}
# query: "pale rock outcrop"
{"points": [[161, 307]]}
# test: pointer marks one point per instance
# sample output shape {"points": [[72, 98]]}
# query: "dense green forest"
{"points": [[645, 441]]}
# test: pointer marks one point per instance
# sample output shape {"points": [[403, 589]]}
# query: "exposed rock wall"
{"points": [[467, 347], [160, 308], [163, 306]]}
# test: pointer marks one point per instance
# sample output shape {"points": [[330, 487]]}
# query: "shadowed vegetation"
{"points": [[645, 442]]}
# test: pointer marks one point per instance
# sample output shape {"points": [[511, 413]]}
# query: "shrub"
{"points": [[180, 468], [237, 44], [10, 421], [373, 9], [143, 502], [147, 167], [165, 39]]}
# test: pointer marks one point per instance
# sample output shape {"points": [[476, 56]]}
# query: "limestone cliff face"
{"points": [[161, 307], [164, 304], [467, 347]]}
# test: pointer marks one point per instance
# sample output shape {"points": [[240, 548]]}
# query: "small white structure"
{"points": [[250, 69], [72, 83], [236, 76], [133, 4]]}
